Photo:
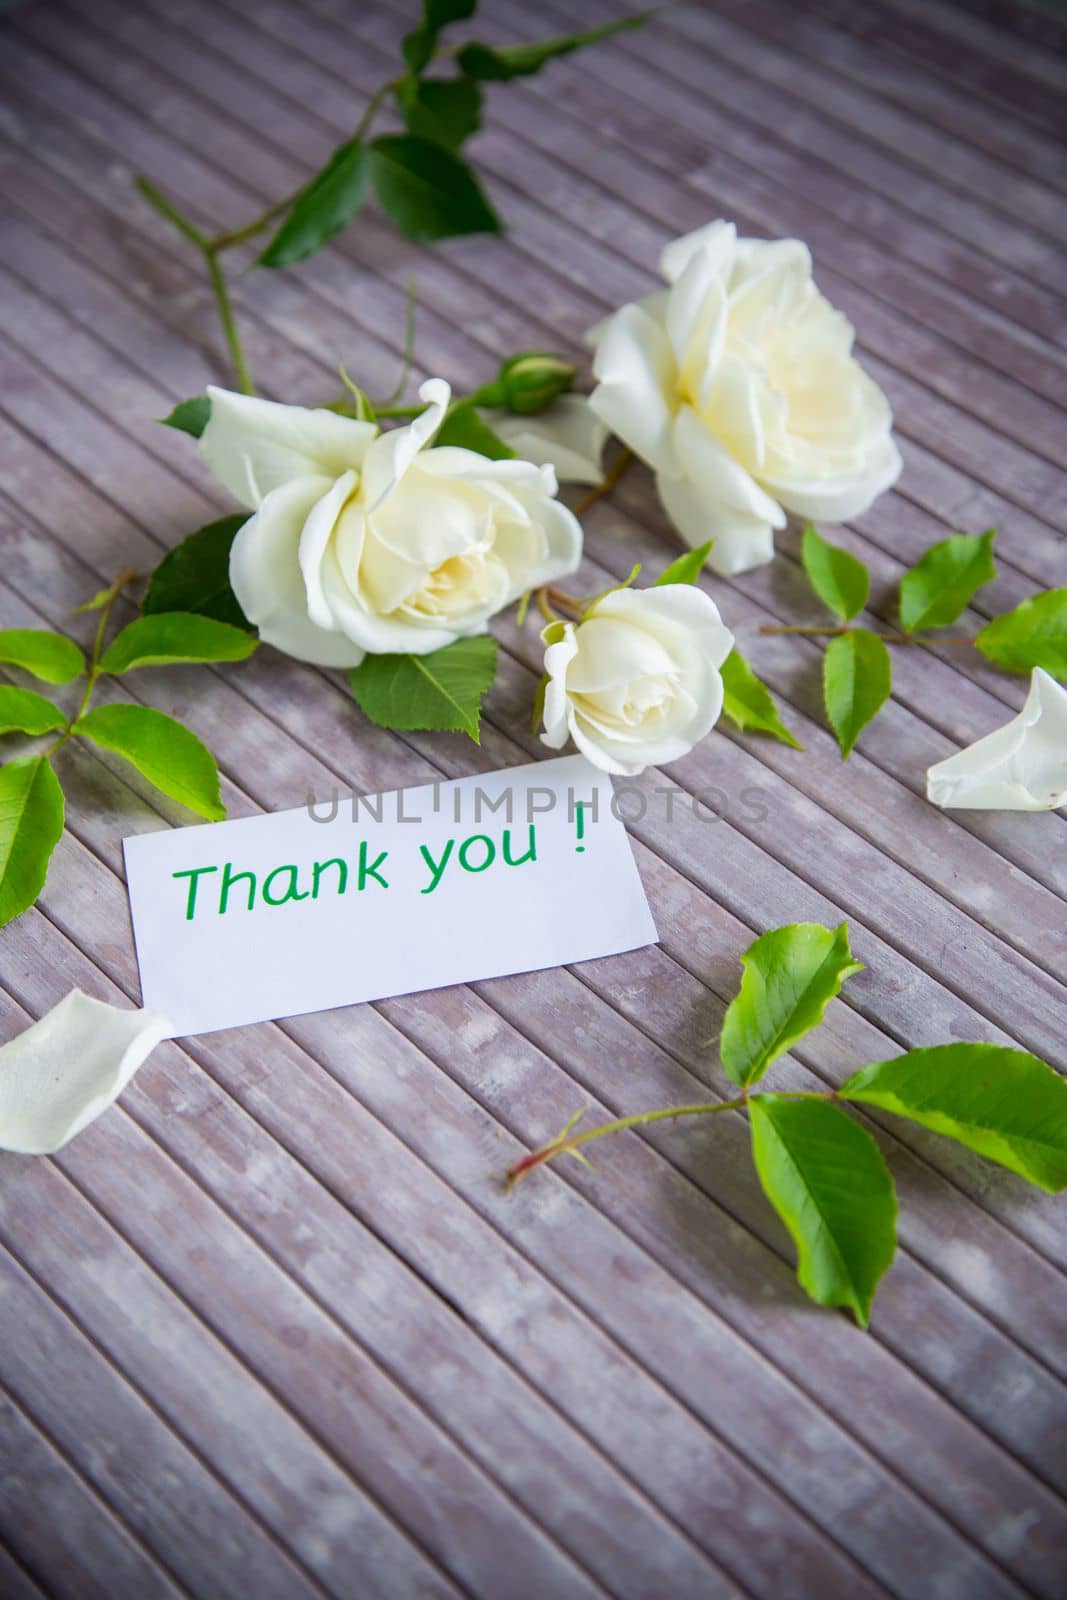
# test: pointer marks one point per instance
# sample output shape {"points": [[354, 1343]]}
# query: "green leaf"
{"points": [[1033, 635], [747, 701], [427, 191], [687, 568], [464, 427], [195, 576], [501, 62], [442, 690], [175, 636], [790, 976], [419, 45], [444, 110], [323, 208], [48, 656], [31, 823], [24, 711], [825, 1177], [841, 582], [1005, 1104], [190, 416], [857, 677], [166, 753], [943, 583]]}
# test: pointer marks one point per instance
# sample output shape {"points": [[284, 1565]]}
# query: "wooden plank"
{"points": [[78, 1551], [179, 1511], [998, 83], [781, 60], [16, 1580]]}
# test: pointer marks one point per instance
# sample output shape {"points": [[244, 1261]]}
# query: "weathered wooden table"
{"points": [[271, 1327]]}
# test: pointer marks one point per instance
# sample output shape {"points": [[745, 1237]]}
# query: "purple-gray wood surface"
{"points": [[271, 1327]]}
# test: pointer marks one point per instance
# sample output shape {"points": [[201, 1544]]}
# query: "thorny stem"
{"points": [[569, 1144], [818, 631], [618, 467], [126, 576]]}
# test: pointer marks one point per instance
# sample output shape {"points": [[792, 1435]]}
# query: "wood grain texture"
{"points": [[271, 1325]]}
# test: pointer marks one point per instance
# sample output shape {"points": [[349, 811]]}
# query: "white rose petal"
{"points": [[63, 1071], [636, 683], [367, 541], [253, 446], [1020, 767], [739, 388], [567, 435]]}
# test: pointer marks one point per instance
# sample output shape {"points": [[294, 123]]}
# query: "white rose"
{"points": [[636, 683], [367, 541], [738, 386], [1020, 767], [63, 1071]]}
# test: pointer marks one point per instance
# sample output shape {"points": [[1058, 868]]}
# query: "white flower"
{"points": [[367, 541], [63, 1071], [1020, 767], [636, 682], [567, 435], [738, 386]]}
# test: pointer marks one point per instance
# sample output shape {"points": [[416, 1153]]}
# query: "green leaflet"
{"points": [[790, 976], [166, 753], [1033, 635], [419, 45], [1005, 1104], [323, 208], [190, 416], [825, 1177], [195, 576], [838, 578], [500, 62], [857, 678], [427, 191], [445, 111], [442, 690], [687, 568], [747, 701], [24, 711], [175, 637], [465, 428], [943, 583], [49, 656], [31, 822]]}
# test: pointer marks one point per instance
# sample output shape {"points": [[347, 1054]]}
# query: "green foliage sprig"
{"points": [[161, 749], [933, 594], [420, 179], [821, 1171]]}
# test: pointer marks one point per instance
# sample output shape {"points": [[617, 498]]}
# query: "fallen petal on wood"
{"points": [[63, 1071], [1020, 767]]}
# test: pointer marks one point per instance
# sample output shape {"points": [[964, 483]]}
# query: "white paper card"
{"points": [[296, 911]]}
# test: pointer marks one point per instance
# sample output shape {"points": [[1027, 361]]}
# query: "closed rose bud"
{"points": [[528, 382]]}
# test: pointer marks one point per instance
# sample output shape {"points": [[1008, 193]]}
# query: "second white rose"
{"points": [[738, 386]]}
